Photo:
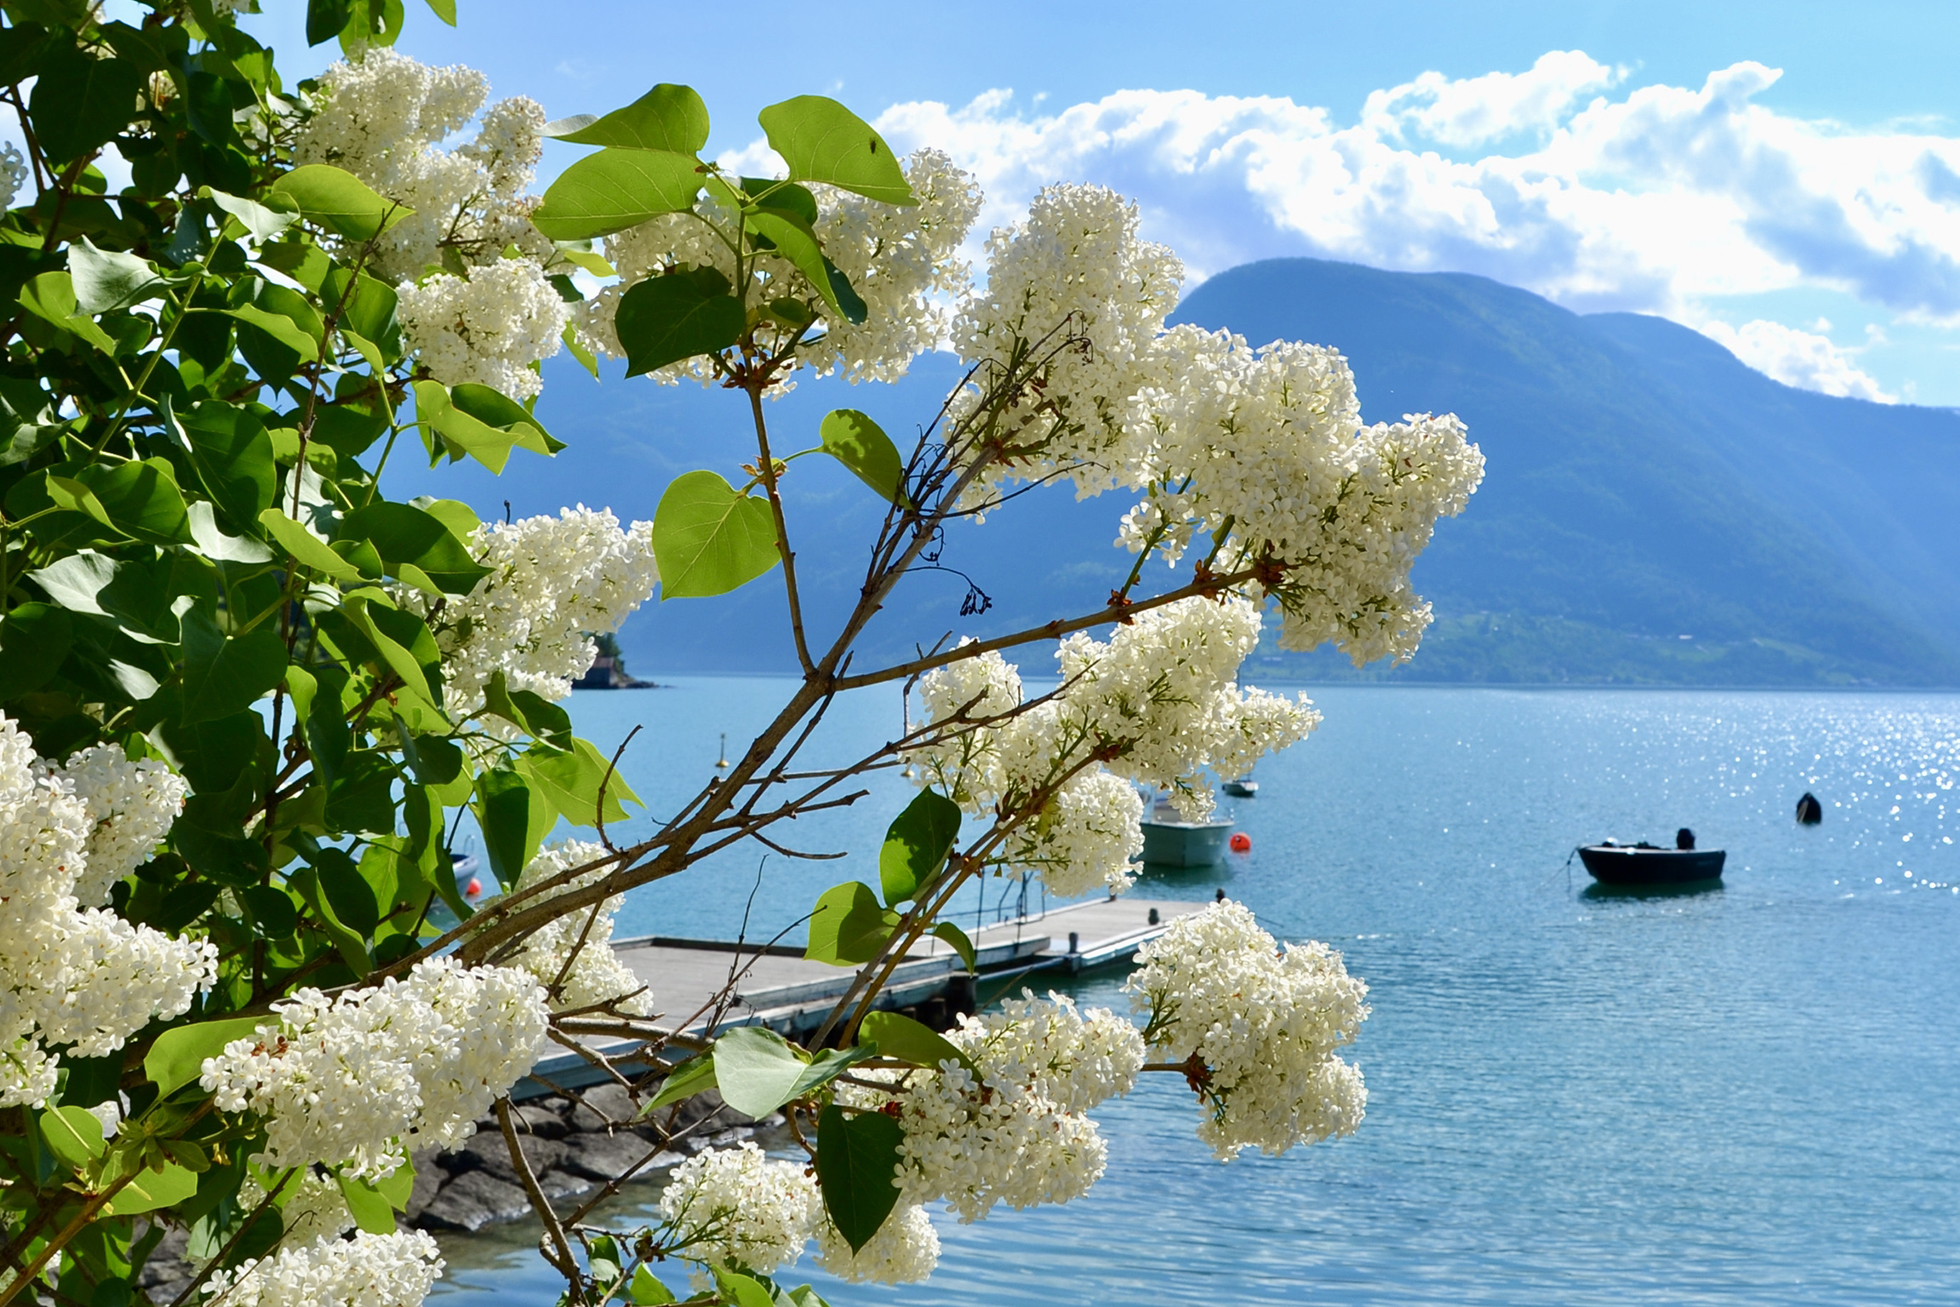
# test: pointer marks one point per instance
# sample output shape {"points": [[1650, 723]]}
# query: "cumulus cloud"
{"points": [[1477, 110], [1652, 200], [1562, 179], [1798, 358]]}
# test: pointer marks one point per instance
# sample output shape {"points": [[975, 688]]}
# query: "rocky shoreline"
{"points": [[574, 1143]]}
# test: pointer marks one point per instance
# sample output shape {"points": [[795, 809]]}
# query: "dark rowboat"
{"points": [[1620, 864]]}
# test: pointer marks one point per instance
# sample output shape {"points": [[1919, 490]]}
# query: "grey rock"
{"points": [[603, 1156], [542, 1117], [602, 1107], [560, 1182], [166, 1274], [471, 1201], [709, 1104], [429, 1178], [704, 1113], [488, 1154]]}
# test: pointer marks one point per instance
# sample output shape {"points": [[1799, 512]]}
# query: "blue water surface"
{"points": [[1742, 1096]]}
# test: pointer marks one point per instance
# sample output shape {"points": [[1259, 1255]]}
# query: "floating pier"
{"points": [[776, 986]]}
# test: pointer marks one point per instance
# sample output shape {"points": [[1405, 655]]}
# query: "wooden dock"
{"points": [[777, 987]]}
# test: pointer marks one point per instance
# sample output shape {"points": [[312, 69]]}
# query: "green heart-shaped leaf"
{"points": [[708, 540]]}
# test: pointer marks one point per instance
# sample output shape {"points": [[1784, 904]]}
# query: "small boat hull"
{"points": [[1184, 843], [1241, 789], [1612, 864]]}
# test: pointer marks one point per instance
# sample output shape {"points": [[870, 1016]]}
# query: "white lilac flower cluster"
{"points": [[1160, 693], [382, 118], [904, 1251], [489, 327], [1262, 446], [311, 1206], [736, 1205], [554, 583], [594, 975], [901, 260], [73, 976], [13, 171], [369, 1270], [358, 1080], [1014, 1129], [1157, 705], [1297, 477], [133, 805], [1070, 1058], [1073, 293], [489, 318], [1262, 1026], [1085, 838]]}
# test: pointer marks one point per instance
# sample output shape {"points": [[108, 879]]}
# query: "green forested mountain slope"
{"points": [[1642, 485]]}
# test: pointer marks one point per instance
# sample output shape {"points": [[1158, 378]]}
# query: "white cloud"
{"points": [[1797, 358], [1560, 179], [1477, 110]]}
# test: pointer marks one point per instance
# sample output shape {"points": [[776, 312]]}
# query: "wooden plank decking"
{"points": [[780, 989]]}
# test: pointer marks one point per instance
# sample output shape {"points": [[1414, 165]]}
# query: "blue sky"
{"points": [[1785, 177]]}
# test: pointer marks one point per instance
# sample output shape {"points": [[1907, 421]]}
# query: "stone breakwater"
{"points": [[574, 1144]]}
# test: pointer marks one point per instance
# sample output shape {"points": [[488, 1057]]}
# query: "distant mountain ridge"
{"points": [[1642, 485]]}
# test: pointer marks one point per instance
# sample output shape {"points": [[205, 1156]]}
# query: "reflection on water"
{"points": [[1737, 1096], [1597, 892]]}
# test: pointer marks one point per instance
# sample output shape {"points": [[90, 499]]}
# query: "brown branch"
{"points": [[599, 817], [231, 1245], [766, 468], [1053, 630], [566, 1262]]}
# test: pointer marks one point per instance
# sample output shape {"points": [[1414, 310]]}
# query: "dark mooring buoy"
{"points": [[1809, 810]]}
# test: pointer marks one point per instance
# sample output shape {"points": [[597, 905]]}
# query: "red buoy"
{"points": [[1241, 842], [474, 888]]}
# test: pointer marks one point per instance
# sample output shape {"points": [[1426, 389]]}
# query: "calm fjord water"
{"points": [[1745, 1096]]}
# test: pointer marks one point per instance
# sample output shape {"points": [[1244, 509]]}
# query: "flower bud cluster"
{"points": [[901, 260], [369, 1270], [1261, 1026], [554, 583], [574, 954], [357, 1080], [72, 976], [1156, 704], [735, 1205]]}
